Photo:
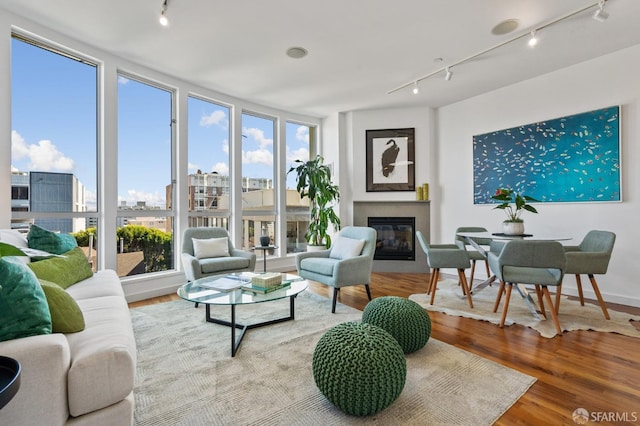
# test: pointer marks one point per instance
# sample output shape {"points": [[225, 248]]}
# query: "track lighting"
{"points": [[164, 21], [600, 15]]}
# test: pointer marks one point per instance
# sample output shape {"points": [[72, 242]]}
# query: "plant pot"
{"points": [[316, 248], [264, 241], [512, 228]]}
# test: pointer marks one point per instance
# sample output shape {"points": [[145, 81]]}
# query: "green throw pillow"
{"points": [[23, 306], [64, 271], [66, 316], [52, 242]]}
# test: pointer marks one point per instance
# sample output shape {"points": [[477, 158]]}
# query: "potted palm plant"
{"points": [[314, 182], [513, 225]]}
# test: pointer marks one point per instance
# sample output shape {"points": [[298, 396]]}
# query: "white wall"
{"points": [[610, 80]]}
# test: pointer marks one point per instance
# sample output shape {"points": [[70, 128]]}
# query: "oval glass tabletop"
{"points": [[202, 290]]}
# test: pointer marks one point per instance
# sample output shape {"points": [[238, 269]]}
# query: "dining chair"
{"points": [[591, 257], [445, 256], [540, 263], [474, 255]]}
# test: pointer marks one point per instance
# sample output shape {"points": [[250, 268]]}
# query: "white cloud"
{"points": [[217, 117], [297, 154], [302, 134], [258, 136], [152, 199], [221, 168], [259, 156], [91, 198], [225, 146], [192, 168], [43, 156], [122, 80]]}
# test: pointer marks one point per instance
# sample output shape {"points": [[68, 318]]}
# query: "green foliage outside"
{"points": [[155, 245]]}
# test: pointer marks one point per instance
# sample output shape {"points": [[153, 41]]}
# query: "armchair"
{"points": [[541, 263], [474, 255], [591, 257], [445, 256], [232, 260], [348, 262]]}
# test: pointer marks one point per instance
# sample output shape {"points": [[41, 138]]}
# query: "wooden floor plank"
{"points": [[580, 369]]}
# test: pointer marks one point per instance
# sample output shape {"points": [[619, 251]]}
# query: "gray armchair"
{"points": [[194, 268], [541, 263], [591, 257], [474, 255], [348, 262], [445, 256]]}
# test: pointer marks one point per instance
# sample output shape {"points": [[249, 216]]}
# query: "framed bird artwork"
{"points": [[391, 160]]}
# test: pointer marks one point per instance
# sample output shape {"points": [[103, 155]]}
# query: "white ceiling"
{"points": [[358, 49]]}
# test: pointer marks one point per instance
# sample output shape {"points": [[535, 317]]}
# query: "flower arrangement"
{"points": [[513, 212]]}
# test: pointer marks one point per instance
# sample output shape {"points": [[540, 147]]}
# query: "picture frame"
{"points": [[571, 159], [390, 160]]}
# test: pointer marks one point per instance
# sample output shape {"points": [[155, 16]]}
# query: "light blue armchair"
{"points": [[591, 257], [541, 263], [348, 262]]}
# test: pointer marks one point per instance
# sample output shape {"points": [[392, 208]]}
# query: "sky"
{"points": [[54, 128]]}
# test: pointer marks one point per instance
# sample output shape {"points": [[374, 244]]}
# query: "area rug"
{"points": [[186, 375], [572, 315]]}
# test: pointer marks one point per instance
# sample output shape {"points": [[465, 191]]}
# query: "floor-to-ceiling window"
{"points": [[54, 109], [209, 184], [258, 191], [300, 139], [145, 177]]}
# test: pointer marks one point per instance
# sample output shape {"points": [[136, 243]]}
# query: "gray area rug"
{"points": [[572, 315], [186, 376]]}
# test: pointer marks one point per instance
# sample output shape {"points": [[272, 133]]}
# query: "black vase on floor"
{"points": [[264, 241]]}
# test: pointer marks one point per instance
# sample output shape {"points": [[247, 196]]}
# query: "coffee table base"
{"points": [[235, 343]]}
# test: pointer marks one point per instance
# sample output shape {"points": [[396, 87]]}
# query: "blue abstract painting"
{"points": [[568, 159]]}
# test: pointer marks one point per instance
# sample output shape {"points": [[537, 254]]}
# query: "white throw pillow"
{"points": [[211, 247], [344, 248]]}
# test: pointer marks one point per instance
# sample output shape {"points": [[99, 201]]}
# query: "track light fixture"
{"points": [[416, 89], [164, 21], [600, 14], [448, 74]]}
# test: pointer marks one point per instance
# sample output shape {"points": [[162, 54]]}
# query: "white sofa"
{"points": [[83, 378]]}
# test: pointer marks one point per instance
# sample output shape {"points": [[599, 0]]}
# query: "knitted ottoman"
{"points": [[359, 367], [404, 319]]}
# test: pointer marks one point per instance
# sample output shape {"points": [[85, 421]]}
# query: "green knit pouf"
{"points": [[359, 367], [404, 319]]}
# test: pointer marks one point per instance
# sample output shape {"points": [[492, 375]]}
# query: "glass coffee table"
{"points": [[200, 291]]}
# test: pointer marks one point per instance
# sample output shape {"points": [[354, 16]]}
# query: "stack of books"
{"points": [[266, 283]]}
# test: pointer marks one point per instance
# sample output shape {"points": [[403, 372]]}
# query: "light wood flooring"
{"points": [[599, 372]]}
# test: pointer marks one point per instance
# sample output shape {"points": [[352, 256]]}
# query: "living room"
{"points": [[443, 148]]}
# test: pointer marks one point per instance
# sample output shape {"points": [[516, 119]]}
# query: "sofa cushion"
{"points": [[223, 264], [346, 248], [210, 247], [319, 265], [23, 305], [52, 242], [66, 316], [103, 356], [102, 283], [64, 271]]}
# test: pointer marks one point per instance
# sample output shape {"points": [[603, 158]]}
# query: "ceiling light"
{"points": [[600, 15], [533, 40], [297, 52], [448, 75], [164, 21], [416, 89], [505, 27]]}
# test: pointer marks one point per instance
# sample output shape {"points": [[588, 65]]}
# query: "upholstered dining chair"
{"points": [[209, 251], [540, 263], [347, 262], [445, 256], [591, 257], [474, 255]]}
